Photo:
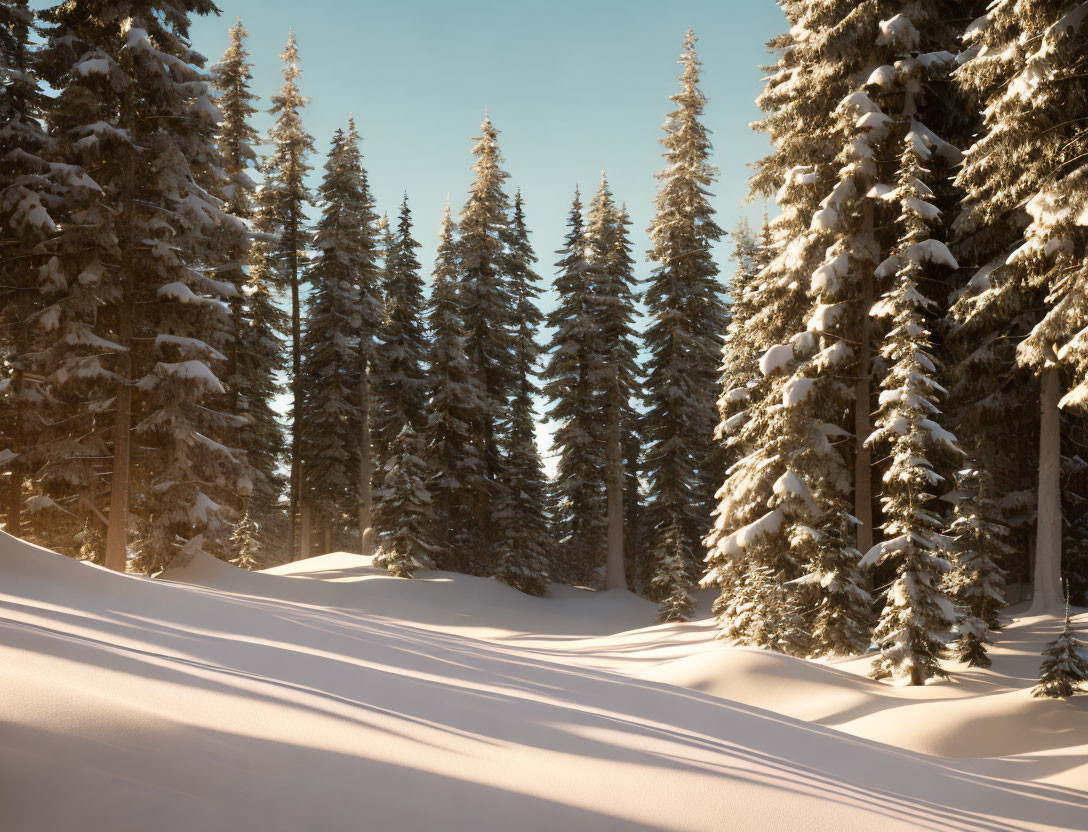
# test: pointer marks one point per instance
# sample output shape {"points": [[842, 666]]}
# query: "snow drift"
{"points": [[326, 695]]}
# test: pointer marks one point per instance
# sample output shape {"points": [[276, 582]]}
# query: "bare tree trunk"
{"points": [[18, 441], [615, 576], [366, 468], [863, 464], [117, 526], [305, 530], [1048, 596]]}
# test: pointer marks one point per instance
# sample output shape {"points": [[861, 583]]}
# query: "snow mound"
{"points": [[131, 704]]}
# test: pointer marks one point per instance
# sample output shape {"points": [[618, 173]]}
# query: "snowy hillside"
{"points": [[329, 696]]}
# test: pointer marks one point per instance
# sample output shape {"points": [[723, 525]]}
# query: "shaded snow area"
{"points": [[328, 696]]}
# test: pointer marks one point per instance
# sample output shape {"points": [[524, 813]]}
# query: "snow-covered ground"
{"points": [[326, 695]]}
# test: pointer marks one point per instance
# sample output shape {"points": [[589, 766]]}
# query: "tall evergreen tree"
{"points": [[612, 299], [285, 171], [336, 335], [141, 244], [1025, 183], [486, 306], [454, 396], [571, 374], [31, 191], [916, 611], [524, 541], [255, 356], [400, 386], [687, 323]]}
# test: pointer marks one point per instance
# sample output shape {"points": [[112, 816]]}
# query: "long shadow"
{"points": [[512, 677], [204, 779]]}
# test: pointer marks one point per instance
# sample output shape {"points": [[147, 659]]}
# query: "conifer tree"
{"points": [[1024, 179], [31, 192], [454, 396], [1064, 666], [571, 374], [404, 509], [977, 582], [143, 237], [485, 302], [255, 356], [615, 349], [400, 383], [687, 323], [524, 540], [787, 471], [916, 610], [285, 171], [340, 324]]}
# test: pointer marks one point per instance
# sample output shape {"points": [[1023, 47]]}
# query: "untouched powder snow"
{"points": [[327, 695]]}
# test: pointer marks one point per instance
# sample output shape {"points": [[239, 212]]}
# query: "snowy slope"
{"points": [[331, 697]]}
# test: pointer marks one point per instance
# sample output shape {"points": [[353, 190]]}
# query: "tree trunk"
{"points": [[305, 530], [296, 390], [117, 526], [863, 464], [1048, 596], [366, 468], [615, 576]]}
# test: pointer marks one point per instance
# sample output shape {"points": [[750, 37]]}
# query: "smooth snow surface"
{"points": [[326, 695]]}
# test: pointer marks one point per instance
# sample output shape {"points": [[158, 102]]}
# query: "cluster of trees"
{"points": [[919, 302], [163, 283]]}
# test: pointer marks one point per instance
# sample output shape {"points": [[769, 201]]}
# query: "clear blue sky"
{"points": [[574, 86]]}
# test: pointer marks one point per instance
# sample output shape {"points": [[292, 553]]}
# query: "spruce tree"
{"points": [[525, 543], [31, 192], [330, 413], [255, 355], [404, 509], [142, 241], [1064, 666], [285, 171], [454, 396], [977, 581], [612, 300], [400, 383], [1024, 180], [571, 383], [486, 307], [687, 323]]}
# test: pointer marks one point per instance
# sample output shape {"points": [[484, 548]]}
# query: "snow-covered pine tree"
{"points": [[403, 508], [612, 299], [255, 354], [684, 299], [976, 583], [285, 170], [485, 302], [245, 542], [916, 612], [1025, 184], [138, 245], [400, 385], [524, 545], [330, 414], [1064, 667], [571, 374], [29, 196], [750, 561], [453, 397]]}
